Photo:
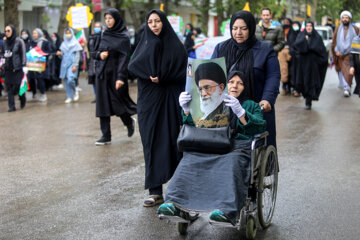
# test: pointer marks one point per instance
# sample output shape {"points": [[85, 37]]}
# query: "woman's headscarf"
{"points": [[247, 93], [58, 41], [240, 54], [115, 38], [29, 39], [187, 31], [162, 56], [11, 41], [70, 45], [40, 35]]}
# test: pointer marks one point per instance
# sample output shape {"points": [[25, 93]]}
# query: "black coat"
{"points": [[311, 57], [93, 45], [110, 101], [15, 63]]}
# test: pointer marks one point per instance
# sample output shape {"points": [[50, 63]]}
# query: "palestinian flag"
{"points": [[24, 85], [36, 60]]}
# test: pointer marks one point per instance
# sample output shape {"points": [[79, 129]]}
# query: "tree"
{"points": [[66, 4], [203, 6], [11, 13]]}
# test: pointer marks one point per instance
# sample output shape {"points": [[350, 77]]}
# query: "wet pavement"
{"points": [[56, 184]]}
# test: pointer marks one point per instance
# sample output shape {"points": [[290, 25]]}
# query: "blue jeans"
{"points": [[70, 87]]}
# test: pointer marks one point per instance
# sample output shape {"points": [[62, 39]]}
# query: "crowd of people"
{"points": [[258, 57]]}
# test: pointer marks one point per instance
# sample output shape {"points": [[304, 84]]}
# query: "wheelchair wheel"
{"points": [[250, 231], [182, 228], [267, 189]]}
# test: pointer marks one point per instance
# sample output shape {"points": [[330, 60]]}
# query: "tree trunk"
{"points": [[11, 14], [66, 4], [220, 15], [205, 6]]}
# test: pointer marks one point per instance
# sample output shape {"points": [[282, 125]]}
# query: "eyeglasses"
{"points": [[207, 88]]}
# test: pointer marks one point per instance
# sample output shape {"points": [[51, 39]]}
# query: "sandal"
{"points": [[153, 200]]}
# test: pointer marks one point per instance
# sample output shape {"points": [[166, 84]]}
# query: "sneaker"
{"points": [[42, 98], [34, 97], [218, 216], [78, 89], [12, 110], [131, 129], [103, 141], [168, 209], [76, 96], [68, 100], [60, 86], [346, 93]]}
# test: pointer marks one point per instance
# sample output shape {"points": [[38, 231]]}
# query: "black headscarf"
{"points": [[191, 29], [240, 53], [189, 42], [29, 39], [247, 92], [46, 35], [58, 41], [198, 30], [162, 56], [11, 41], [288, 26], [115, 38]]}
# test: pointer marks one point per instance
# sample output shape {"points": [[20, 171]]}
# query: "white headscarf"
{"points": [[70, 45]]}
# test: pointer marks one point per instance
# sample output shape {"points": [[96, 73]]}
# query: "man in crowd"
{"points": [[341, 47]]}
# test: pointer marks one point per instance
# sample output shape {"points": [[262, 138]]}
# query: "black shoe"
{"points": [[308, 107], [12, 110], [103, 141], [131, 128], [22, 103]]}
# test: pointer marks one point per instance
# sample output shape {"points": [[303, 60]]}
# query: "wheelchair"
{"points": [[259, 205]]}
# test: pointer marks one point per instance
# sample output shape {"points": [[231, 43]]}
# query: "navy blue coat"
{"points": [[267, 80]]}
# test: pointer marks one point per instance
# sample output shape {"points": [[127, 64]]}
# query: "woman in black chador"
{"points": [[112, 90], [311, 63], [159, 63]]}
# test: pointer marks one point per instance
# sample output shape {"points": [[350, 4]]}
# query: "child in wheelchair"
{"points": [[211, 182]]}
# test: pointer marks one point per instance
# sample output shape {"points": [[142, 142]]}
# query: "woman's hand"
{"points": [[104, 55], [306, 37], [154, 79], [118, 84], [74, 68], [235, 105], [266, 104], [58, 53], [184, 100], [352, 71]]}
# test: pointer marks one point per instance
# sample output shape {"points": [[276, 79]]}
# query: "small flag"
{"points": [[23, 85], [80, 36], [303, 26]]}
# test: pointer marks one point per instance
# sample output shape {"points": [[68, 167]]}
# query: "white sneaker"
{"points": [[78, 89], [68, 100], [346, 93], [42, 98], [76, 96], [60, 86]]}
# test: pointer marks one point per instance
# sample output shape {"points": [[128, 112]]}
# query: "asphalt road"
{"points": [[56, 184]]}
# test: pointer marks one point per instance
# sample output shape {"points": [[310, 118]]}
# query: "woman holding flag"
{"points": [[14, 52]]}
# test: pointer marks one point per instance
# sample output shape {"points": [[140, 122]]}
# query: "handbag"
{"points": [[205, 140]]}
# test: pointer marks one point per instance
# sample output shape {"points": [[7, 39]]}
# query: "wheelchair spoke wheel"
{"points": [[267, 189]]}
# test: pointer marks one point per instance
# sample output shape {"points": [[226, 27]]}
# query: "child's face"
{"points": [[235, 86]]}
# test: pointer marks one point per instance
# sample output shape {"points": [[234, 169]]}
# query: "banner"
{"points": [[176, 23], [206, 82]]}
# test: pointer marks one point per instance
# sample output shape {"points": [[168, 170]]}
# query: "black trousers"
{"points": [[105, 124], [156, 191], [13, 89]]}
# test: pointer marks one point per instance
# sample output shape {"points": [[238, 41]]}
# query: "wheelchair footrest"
{"points": [[222, 224], [175, 219]]}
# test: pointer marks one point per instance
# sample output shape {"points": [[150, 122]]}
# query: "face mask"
{"points": [[296, 28], [286, 26], [68, 36], [24, 36], [97, 30]]}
